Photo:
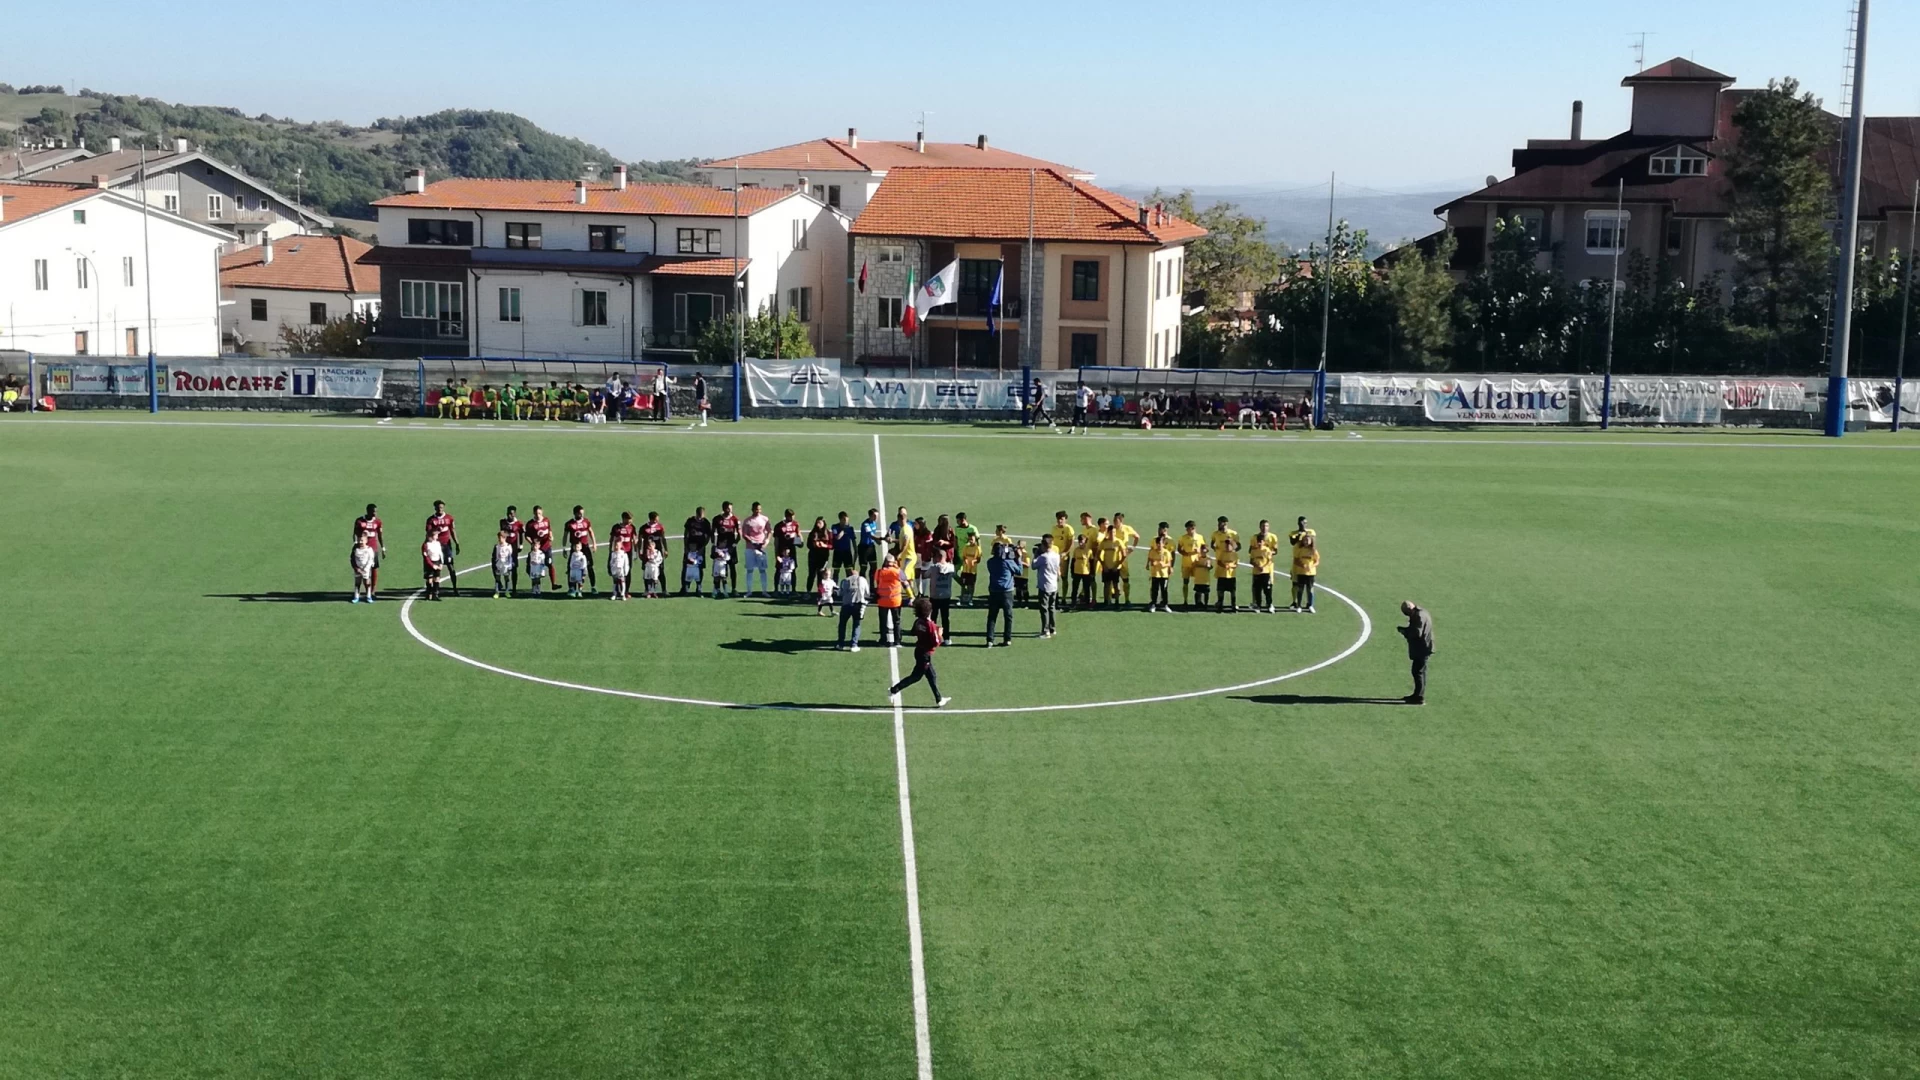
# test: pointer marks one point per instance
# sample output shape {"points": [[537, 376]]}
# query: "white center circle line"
{"points": [[1366, 633]]}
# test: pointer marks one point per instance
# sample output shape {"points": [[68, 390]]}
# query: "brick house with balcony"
{"points": [[1660, 188], [1104, 289]]}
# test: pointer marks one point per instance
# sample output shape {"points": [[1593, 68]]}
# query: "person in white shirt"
{"points": [[755, 531], [505, 559], [652, 563], [577, 565], [1082, 401], [620, 567], [537, 557], [721, 578], [362, 560], [433, 560], [855, 594], [782, 577], [1046, 574], [823, 596]]}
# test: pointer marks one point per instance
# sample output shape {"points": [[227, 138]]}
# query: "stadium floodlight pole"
{"points": [[1326, 302], [1849, 233], [146, 271], [1613, 306], [1906, 302]]}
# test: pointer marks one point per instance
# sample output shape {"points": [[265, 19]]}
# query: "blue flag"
{"points": [[993, 302]]}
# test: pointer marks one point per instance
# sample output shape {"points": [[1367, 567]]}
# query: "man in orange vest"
{"points": [[887, 588]]}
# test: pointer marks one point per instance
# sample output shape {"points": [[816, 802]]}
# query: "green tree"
{"points": [[1660, 327], [1233, 258], [765, 335], [1289, 313], [1420, 292], [1778, 234], [1515, 315]]}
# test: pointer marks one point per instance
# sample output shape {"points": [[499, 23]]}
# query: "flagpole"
{"points": [[1026, 312]]}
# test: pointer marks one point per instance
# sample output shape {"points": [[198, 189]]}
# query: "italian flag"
{"points": [[909, 317]]}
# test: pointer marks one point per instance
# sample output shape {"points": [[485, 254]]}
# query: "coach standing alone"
{"points": [[1419, 635]]}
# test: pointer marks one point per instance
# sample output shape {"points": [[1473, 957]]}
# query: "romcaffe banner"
{"points": [[193, 378], [1497, 401]]}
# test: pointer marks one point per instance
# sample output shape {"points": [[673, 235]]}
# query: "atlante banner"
{"points": [[793, 384], [1497, 401], [193, 378]]}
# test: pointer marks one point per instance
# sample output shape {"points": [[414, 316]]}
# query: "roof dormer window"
{"points": [[1678, 161]]}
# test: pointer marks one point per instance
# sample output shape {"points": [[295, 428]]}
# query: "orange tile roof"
{"points": [[556, 196], [697, 267], [20, 201], [311, 263], [881, 155], [992, 204]]}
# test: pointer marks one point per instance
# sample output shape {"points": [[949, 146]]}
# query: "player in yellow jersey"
{"points": [[1200, 574], [1260, 552], [1226, 566], [1082, 561], [970, 556], [1093, 532], [1189, 547], [1063, 535], [1113, 558], [1129, 536], [1306, 566], [1159, 568]]}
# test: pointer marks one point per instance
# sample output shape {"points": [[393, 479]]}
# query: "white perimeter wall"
{"points": [[185, 272]]}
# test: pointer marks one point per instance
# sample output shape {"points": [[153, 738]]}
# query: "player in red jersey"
{"points": [[540, 535], [369, 525], [655, 532], [580, 531], [515, 531], [440, 527]]}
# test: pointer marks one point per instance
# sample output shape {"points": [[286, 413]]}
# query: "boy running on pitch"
{"points": [[927, 639]]}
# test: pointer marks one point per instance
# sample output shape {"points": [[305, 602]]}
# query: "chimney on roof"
{"points": [[180, 145], [113, 145], [801, 182], [919, 142], [266, 253], [981, 142], [99, 180], [619, 178], [1579, 111], [853, 138], [416, 181], [1143, 213], [580, 193]]}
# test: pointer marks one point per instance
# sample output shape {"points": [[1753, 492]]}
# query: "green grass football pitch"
{"points": [[1658, 820]]}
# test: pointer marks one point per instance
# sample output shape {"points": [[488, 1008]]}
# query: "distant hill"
{"points": [[1296, 214], [342, 168]]}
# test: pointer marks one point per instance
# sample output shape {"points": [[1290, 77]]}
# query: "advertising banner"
{"points": [[1497, 401], [793, 384], [953, 395], [1648, 400], [1769, 395], [1871, 401], [193, 378], [1381, 390], [99, 379]]}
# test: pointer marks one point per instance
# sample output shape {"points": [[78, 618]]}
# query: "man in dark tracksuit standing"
{"points": [[1419, 635], [1000, 570]]}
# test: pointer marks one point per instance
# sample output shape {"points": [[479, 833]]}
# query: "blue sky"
{"points": [[1391, 93]]}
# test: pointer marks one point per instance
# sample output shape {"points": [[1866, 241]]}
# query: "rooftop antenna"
{"points": [[1640, 48]]}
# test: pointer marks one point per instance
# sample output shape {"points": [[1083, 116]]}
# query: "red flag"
{"points": [[863, 278], [909, 315]]}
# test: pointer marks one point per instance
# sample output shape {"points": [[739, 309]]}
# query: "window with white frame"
{"points": [[889, 313], [170, 203], [1607, 231], [893, 253], [126, 271], [509, 304], [606, 238], [1678, 161], [799, 234], [697, 241], [216, 207], [590, 307], [442, 302], [40, 282], [523, 234]]}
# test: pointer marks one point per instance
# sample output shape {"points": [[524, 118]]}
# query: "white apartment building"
{"points": [[297, 282], [87, 272], [599, 271]]}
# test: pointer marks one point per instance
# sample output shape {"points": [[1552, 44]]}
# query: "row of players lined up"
{"points": [[928, 558], [616, 399]]}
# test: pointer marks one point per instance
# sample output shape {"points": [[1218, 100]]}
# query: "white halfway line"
{"points": [[916, 954]]}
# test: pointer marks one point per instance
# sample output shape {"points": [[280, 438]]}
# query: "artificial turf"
{"points": [[1658, 819]]}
